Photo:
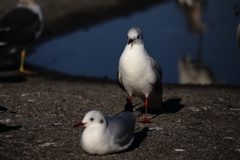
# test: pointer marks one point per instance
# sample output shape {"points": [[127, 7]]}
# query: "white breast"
{"points": [[136, 70], [93, 141]]}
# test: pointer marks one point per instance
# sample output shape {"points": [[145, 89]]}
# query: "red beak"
{"points": [[130, 41], [79, 124]]}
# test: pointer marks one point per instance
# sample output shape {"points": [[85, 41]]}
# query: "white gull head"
{"points": [[134, 36], [94, 119]]}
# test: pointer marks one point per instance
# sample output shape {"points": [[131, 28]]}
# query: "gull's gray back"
{"points": [[122, 126], [158, 72]]}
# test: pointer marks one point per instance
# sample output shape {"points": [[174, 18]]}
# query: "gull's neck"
{"points": [[135, 48]]}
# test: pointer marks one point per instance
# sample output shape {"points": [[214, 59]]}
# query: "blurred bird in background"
{"points": [[19, 28], [194, 10], [237, 13]]}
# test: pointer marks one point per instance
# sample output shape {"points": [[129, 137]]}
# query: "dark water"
{"points": [[167, 38]]}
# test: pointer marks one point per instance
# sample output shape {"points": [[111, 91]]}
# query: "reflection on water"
{"points": [[168, 36], [193, 10], [195, 71], [237, 13]]}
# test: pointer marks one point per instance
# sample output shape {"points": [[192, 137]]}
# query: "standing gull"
{"points": [[20, 27], [139, 74], [104, 135], [238, 30]]}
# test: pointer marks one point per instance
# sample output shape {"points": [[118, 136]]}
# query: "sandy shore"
{"points": [[198, 122]]}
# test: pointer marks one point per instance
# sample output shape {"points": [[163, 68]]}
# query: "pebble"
{"points": [[46, 144], [179, 150]]}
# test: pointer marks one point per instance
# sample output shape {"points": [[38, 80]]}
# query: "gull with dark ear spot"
{"points": [[20, 27], [104, 135], [139, 74]]}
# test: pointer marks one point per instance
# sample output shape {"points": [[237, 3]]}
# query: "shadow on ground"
{"points": [[172, 106], [4, 109], [169, 106], [5, 128], [138, 139], [13, 79]]}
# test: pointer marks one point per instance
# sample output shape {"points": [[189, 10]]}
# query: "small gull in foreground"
{"points": [[20, 27], [104, 135], [139, 74]]}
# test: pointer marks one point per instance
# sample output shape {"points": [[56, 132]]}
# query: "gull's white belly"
{"points": [[137, 73]]}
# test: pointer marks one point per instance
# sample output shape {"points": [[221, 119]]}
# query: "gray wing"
{"points": [[122, 126], [158, 72], [119, 80]]}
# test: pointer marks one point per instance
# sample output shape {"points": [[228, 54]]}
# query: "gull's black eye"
{"points": [[91, 119], [101, 121], [138, 36]]}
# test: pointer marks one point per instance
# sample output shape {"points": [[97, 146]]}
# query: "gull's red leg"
{"points": [[145, 120], [131, 99]]}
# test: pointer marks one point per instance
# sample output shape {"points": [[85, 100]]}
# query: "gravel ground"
{"points": [[38, 113]]}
